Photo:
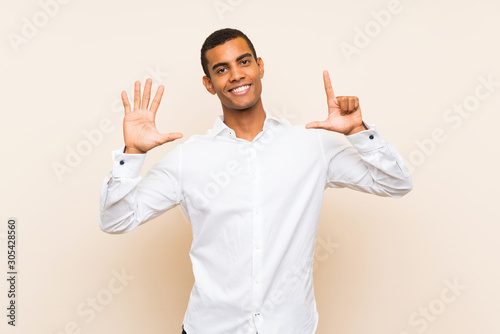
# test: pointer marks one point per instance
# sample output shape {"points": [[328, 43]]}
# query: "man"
{"points": [[252, 189]]}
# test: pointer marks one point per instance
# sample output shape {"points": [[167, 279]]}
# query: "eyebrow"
{"points": [[237, 59]]}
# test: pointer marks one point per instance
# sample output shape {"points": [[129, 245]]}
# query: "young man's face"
{"points": [[234, 75]]}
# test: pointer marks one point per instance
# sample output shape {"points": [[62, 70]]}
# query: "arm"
{"points": [[126, 200], [371, 164]]}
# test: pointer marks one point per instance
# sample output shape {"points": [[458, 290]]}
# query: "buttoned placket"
{"points": [[253, 167], [257, 228]]}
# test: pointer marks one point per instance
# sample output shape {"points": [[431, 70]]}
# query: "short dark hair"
{"points": [[220, 37]]}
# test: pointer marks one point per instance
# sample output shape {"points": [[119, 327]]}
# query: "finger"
{"points": [[137, 95], [330, 95], [345, 108], [126, 104], [343, 103], [156, 101], [317, 125], [164, 138], [147, 94], [352, 102]]}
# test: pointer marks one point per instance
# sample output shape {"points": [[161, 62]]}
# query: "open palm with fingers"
{"points": [[139, 129], [344, 112]]}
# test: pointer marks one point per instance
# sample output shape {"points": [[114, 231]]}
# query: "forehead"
{"points": [[228, 51]]}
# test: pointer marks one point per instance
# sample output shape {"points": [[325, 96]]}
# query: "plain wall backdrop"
{"points": [[426, 73]]}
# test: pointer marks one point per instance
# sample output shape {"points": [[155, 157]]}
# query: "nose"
{"points": [[236, 74]]}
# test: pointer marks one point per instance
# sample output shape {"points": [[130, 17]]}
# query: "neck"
{"points": [[246, 123]]}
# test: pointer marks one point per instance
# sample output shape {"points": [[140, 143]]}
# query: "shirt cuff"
{"points": [[367, 140], [127, 165]]}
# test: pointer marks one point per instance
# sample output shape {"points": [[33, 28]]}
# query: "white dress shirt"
{"points": [[254, 209]]}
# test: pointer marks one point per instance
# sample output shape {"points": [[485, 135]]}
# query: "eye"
{"points": [[220, 70], [245, 61]]}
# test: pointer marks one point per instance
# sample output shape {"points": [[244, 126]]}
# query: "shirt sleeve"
{"points": [[370, 164], [127, 200]]}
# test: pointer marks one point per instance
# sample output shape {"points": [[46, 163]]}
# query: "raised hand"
{"points": [[344, 112], [139, 129]]}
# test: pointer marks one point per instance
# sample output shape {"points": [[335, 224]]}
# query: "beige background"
{"points": [[380, 262]]}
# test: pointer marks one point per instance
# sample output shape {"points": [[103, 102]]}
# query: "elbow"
{"points": [[400, 193], [408, 189], [107, 230], [103, 223], [408, 186], [113, 227], [110, 230], [404, 188]]}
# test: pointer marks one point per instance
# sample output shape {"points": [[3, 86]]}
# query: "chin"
{"points": [[242, 107]]}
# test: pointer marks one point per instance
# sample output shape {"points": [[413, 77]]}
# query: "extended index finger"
{"points": [[330, 95], [156, 101]]}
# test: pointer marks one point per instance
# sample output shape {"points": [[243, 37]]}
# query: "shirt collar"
{"points": [[220, 127]]}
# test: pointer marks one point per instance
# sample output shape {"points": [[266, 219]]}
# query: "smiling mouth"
{"points": [[240, 90]]}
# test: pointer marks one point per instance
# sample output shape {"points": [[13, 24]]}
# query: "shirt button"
{"points": [[257, 246], [255, 176], [371, 137], [122, 162], [257, 281], [257, 211]]}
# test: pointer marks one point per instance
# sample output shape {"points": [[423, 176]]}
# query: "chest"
{"points": [[234, 172]]}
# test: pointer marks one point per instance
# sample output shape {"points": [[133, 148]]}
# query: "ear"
{"points": [[208, 85], [260, 63]]}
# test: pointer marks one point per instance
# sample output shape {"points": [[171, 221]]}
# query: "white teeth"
{"points": [[240, 89]]}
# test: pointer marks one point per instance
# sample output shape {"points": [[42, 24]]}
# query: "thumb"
{"points": [[164, 138], [317, 125]]}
